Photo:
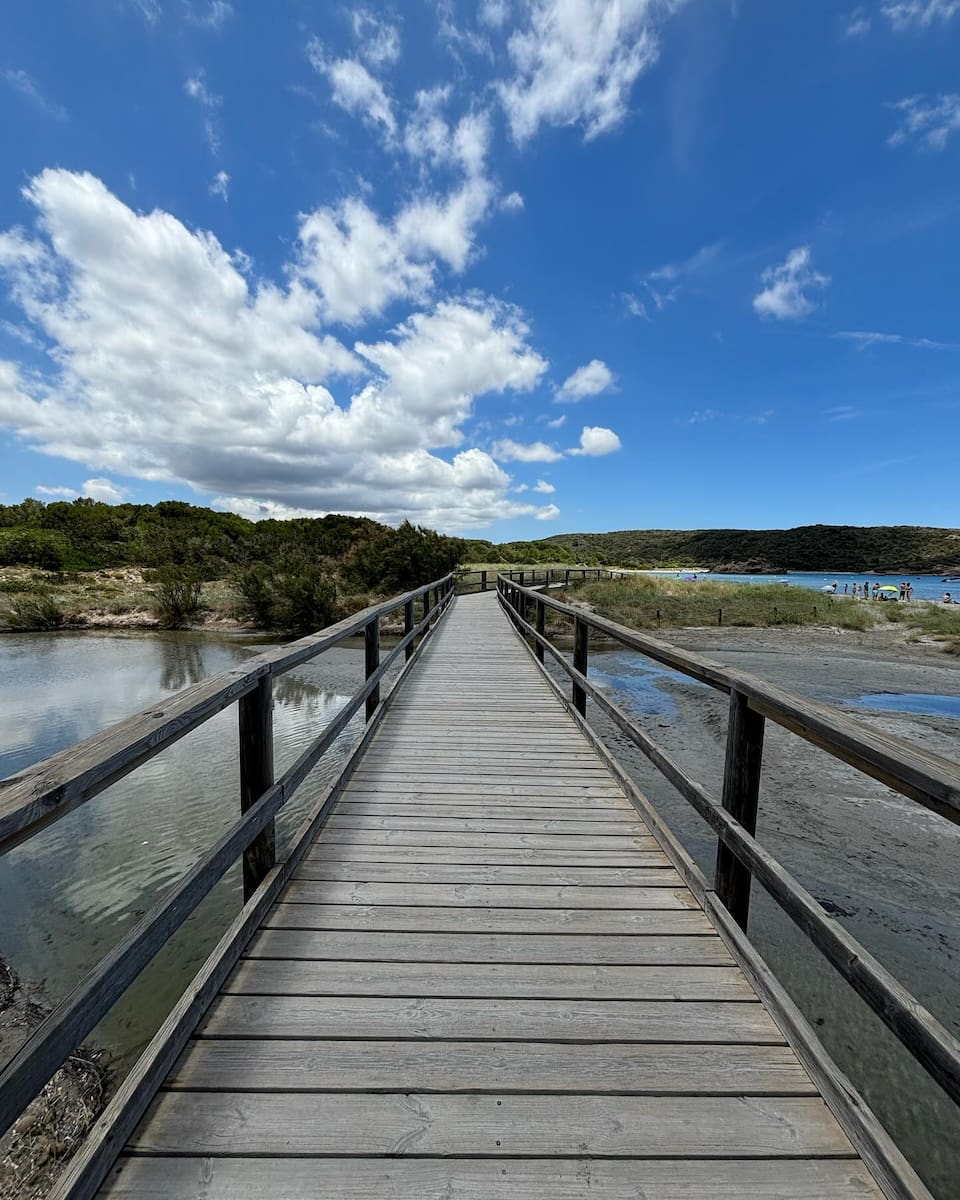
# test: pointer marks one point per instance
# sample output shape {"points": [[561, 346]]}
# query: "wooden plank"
{"points": [[438, 824], [508, 785], [601, 982], [162, 1178], [324, 851], [340, 1123], [536, 947], [307, 1017], [478, 895], [676, 922], [361, 872], [339, 1065], [488, 841], [391, 807]]}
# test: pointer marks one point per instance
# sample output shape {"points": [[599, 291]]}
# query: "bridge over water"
{"points": [[487, 968]]}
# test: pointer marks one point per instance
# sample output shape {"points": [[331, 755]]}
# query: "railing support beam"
{"points": [[255, 719], [541, 626], [581, 650], [408, 622], [371, 657], [741, 794]]}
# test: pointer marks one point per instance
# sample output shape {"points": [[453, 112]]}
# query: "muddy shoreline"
{"points": [[35, 1150]]}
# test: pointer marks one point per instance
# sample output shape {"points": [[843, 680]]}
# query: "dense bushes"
{"points": [[30, 613], [176, 596], [296, 596]]}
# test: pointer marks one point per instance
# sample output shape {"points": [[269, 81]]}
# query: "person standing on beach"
{"points": [[909, 590], [876, 589], [866, 589], [903, 590], [846, 588]]}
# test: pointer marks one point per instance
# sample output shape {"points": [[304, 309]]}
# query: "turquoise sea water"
{"points": [[925, 587]]}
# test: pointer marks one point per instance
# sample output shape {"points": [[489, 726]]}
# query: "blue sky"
{"points": [[509, 268]]}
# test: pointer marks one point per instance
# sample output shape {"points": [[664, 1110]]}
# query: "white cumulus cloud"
{"points": [[589, 380], [576, 61], [544, 487], [360, 264], [166, 364], [595, 441], [785, 294], [510, 451]]}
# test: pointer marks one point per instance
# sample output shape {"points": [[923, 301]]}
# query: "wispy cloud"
{"points": [[634, 306], [863, 339], [785, 294], [703, 416], [904, 15], [208, 14], [507, 450], [665, 283], [930, 122], [844, 412], [221, 186], [27, 86], [196, 88], [858, 23], [546, 489]]}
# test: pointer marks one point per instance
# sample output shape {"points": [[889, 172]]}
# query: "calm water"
{"points": [[72, 891], [925, 587]]}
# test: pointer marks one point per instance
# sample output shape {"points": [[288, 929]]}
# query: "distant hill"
{"points": [[884, 548]]}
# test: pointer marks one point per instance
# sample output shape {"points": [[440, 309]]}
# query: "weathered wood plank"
{"points": [[491, 841], [419, 947], [340, 1123], [390, 807], [546, 981], [490, 1020], [675, 922], [478, 895], [360, 872], [624, 827], [162, 1178], [324, 851], [478, 1066]]}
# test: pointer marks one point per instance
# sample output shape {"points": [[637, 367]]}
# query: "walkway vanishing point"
{"points": [[484, 975]]}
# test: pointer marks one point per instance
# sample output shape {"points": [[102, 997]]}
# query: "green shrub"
{"points": [[12, 586], [176, 596], [296, 597], [31, 548], [35, 613]]}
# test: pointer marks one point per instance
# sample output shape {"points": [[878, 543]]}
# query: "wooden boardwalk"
{"points": [[487, 981]]}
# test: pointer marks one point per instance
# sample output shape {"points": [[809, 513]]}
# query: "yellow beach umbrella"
{"points": [[888, 587]]}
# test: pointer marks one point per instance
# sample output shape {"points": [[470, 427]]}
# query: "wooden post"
{"points": [[541, 625], [719, 616], [483, 581], [255, 717], [371, 647], [741, 792], [408, 623], [522, 578], [566, 578], [581, 643]]}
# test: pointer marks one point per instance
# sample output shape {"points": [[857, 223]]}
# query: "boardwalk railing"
{"points": [[42, 793], [925, 778], [482, 581]]}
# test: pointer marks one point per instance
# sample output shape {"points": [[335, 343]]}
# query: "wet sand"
{"points": [[883, 865]]}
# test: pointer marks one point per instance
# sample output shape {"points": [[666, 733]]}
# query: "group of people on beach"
{"points": [[877, 592]]}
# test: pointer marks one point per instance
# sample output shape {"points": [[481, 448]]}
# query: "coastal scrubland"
{"points": [[651, 602], [175, 565]]}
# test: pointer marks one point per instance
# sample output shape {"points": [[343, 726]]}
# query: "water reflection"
{"points": [[74, 889]]}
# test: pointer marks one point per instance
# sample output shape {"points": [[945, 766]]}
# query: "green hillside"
{"points": [[885, 548]]}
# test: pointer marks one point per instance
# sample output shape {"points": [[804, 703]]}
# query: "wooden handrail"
{"points": [[252, 836], [933, 781]]}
